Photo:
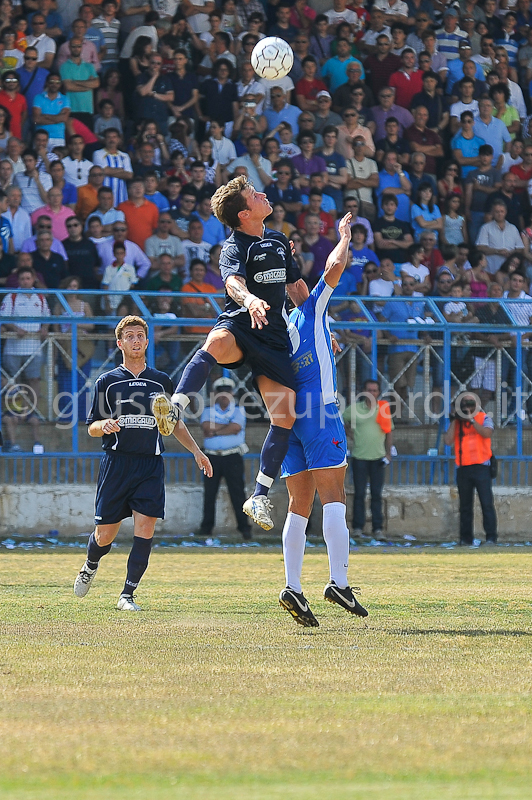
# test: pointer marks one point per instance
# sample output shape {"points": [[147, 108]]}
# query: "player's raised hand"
{"points": [[344, 226], [203, 463], [110, 426], [257, 311]]}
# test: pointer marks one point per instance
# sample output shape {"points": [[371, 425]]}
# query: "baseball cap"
{"points": [[464, 44], [451, 12], [224, 383], [323, 93]]}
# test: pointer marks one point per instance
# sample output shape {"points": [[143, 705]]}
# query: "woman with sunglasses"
{"points": [[5, 133], [450, 183]]}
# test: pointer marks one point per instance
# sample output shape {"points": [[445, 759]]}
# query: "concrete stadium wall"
{"points": [[430, 514]]}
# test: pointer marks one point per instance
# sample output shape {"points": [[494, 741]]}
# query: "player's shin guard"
{"points": [[336, 536], [272, 455], [95, 551], [137, 563], [294, 540], [194, 377]]}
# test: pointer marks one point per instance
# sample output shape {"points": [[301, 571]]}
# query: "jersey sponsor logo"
{"points": [[337, 442], [281, 252], [303, 361], [136, 421], [138, 383], [260, 257], [271, 276]]}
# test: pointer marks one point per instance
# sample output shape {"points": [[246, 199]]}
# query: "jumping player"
{"points": [[317, 451], [258, 269], [131, 477]]}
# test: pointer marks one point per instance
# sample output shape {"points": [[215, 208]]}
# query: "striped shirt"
{"points": [[118, 160], [448, 43]]}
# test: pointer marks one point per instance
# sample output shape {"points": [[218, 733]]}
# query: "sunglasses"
{"points": [[119, 230], [30, 58]]}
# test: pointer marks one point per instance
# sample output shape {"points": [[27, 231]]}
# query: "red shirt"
{"points": [[16, 107], [522, 174], [406, 86], [326, 222], [309, 89]]}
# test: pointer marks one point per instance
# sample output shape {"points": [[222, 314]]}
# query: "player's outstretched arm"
{"points": [[337, 260], [184, 437], [239, 292]]}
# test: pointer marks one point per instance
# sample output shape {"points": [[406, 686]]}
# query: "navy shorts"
{"points": [[317, 441], [263, 359], [126, 484]]}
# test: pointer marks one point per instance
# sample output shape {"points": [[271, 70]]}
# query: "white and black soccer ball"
{"points": [[272, 58]]}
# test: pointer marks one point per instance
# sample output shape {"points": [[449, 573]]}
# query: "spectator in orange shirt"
{"points": [[141, 215], [197, 306], [87, 200]]}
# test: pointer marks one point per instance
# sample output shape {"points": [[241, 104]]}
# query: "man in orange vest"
{"points": [[470, 432]]}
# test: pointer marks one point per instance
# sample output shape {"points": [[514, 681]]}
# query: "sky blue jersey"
{"points": [[311, 353]]}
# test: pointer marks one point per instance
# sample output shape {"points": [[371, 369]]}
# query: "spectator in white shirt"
{"points": [[19, 219]]}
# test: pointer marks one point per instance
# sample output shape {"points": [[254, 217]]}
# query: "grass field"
{"points": [[213, 692]]}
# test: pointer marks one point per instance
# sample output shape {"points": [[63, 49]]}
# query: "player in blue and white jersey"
{"points": [[317, 449], [258, 269], [131, 476]]}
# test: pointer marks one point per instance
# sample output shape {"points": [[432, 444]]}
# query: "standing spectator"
{"points": [[213, 230], [219, 95], [51, 110], [24, 352], [14, 102], [407, 81], [118, 276], [76, 167], [32, 79], [44, 44], [57, 172], [344, 95], [324, 117], [377, 26], [141, 215], [393, 180], [109, 26], [381, 65], [155, 90], [318, 245], [89, 50], [466, 144], [51, 265], [335, 165], [498, 238], [105, 211], [456, 69], [466, 90], [362, 178], [308, 87], [417, 174], [470, 433], [184, 84], [392, 236], [258, 168], [29, 245], [79, 81], [195, 247], [87, 199], [224, 428], [425, 214], [307, 163], [82, 254], [134, 254], [57, 212], [32, 184], [369, 425], [110, 89], [19, 219], [479, 185], [491, 129], [334, 71], [281, 111], [349, 131], [423, 140], [115, 164], [433, 102]]}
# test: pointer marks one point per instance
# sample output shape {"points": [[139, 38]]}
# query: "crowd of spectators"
{"points": [[120, 118]]}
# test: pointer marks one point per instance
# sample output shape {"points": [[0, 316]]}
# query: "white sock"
{"points": [[294, 540], [336, 536]]}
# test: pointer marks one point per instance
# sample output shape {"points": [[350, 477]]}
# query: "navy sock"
{"points": [[137, 563], [273, 451], [95, 552], [196, 373]]}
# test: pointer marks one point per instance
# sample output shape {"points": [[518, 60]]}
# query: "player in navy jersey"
{"points": [[317, 450], [258, 269], [131, 477]]}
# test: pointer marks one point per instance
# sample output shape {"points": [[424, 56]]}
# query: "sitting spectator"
{"points": [[498, 238], [141, 215], [162, 242], [416, 269], [82, 254], [392, 180], [89, 200], [350, 131], [318, 245], [360, 253], [117, 276], [57, 212], [392, 142], [152, 193], [183, 215], [22, 356], [433, 257], [423, 140], [417, 174], [283, 191], [362, 178], [106, 119], [198, 307], [478, 278], [309, 86], [388, 108], [134, 254], [44, 223], [68, 190], [104, 210], [425, 214], [77, 167], [166, 277], [314, 207], [324, 117], [198, 181], [18, 218], [335, 164], [277, 220], [258, 168], [407, 81], [195, 246], [33, 184], [213, 230], [454, 224]]}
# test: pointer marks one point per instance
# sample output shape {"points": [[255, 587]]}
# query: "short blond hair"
{"points": [[131, 321], [228, 201]]}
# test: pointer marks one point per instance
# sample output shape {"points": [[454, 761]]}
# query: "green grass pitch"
{"points": [[212, 692]]}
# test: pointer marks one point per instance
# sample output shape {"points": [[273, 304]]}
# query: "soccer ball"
{"points": [[272, 58]]}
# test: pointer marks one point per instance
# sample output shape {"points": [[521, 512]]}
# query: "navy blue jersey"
{"points": [[267, 265], [122, 396]]}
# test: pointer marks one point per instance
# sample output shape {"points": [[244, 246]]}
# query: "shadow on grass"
{"points": [[446, 632]]}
